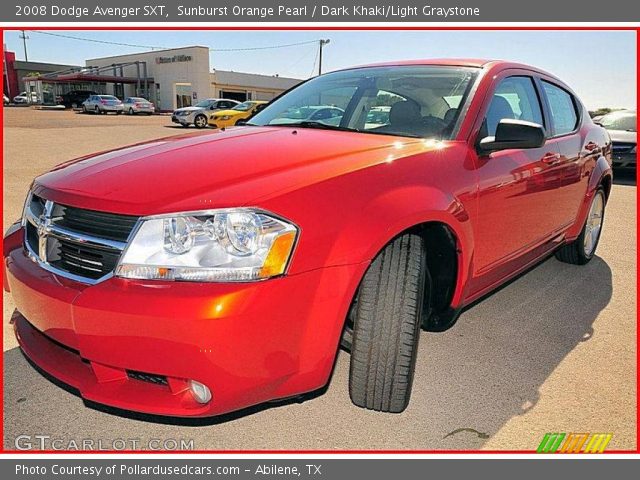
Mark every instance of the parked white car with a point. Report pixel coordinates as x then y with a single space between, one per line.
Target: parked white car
134 105
24 98
199 114
102 104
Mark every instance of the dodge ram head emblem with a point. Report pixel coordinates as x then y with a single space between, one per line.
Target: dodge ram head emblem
44 223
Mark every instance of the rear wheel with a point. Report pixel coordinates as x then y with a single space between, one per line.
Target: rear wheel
130 111
200 121
583 249
96 110
84 109
386 326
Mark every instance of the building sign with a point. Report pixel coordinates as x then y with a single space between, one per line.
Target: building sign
175 58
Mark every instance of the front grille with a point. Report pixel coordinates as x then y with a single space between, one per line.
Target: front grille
99 224
623 147
147 377
90 262
84 243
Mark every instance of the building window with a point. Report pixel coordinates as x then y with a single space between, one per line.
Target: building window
183 95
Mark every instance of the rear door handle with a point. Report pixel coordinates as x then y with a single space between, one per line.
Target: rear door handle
550 158
591 146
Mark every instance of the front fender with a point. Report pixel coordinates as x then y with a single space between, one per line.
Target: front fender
393 212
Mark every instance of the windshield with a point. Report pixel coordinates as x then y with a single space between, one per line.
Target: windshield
411 101
204 104
108 97
619 121
243 107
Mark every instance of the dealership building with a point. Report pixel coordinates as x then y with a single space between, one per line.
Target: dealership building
171 79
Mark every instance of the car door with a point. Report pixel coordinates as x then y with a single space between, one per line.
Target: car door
578 151
516 188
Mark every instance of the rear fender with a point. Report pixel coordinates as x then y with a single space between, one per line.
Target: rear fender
600 173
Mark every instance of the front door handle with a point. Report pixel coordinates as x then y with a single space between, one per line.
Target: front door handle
550 158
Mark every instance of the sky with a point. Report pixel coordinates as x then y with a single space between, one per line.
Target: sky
600 66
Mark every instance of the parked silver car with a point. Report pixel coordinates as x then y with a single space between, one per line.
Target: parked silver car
200 113
134 105
622 128
25 97
102 104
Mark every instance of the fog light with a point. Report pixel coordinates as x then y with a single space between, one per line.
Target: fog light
200 392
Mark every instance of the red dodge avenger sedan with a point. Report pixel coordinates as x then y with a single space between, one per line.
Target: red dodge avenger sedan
201 274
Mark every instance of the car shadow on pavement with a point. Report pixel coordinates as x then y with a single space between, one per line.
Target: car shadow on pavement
491 365
486 369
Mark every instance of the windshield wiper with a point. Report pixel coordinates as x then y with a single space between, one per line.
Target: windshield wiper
326 126
314 124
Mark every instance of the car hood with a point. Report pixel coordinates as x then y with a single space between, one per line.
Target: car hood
189 109
623 136
221 169
231 113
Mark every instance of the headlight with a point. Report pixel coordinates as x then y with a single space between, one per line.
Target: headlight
210 246
225 117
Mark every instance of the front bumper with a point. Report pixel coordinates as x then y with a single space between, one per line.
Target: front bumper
624 160
182 120
248 342
222 123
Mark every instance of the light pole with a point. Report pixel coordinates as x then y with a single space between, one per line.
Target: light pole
24 38
322 44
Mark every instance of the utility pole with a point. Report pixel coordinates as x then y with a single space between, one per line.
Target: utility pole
322 44
24 38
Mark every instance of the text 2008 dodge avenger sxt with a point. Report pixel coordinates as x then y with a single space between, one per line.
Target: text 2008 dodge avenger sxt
205 273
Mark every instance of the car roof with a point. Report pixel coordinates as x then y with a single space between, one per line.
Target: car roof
456 62
495 65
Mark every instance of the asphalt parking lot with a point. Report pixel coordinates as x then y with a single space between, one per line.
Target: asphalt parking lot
555 351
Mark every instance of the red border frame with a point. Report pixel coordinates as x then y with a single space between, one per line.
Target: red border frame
333 28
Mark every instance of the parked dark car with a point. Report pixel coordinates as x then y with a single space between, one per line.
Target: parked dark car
622 127
75 98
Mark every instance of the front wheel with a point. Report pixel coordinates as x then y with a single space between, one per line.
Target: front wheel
583 249
386 326
130 111
200 121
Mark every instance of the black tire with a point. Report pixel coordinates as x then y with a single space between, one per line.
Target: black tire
386 326
574 252
96 110
131 112
200 118
118 112
84 109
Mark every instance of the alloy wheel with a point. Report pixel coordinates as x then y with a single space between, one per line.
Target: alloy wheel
594 224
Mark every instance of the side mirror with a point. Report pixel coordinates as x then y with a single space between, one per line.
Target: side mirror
514 134
242 122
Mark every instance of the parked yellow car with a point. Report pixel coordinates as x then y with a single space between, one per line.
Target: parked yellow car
229 118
